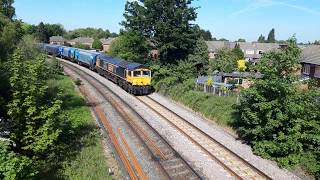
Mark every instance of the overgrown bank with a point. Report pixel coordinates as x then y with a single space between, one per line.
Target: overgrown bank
82 154
219 109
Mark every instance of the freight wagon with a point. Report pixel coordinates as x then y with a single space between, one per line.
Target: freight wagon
87 58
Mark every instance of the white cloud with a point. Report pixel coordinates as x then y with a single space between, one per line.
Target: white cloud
259 4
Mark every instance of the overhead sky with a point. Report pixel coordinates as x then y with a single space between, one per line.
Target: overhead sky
230 19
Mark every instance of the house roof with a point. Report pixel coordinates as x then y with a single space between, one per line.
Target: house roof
83 40
311 54
57 39
214 46
108 41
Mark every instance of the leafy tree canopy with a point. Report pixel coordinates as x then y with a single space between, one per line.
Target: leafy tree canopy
97 44
131 46
271 36
241 40
206 35
261 39
89 32
7 9
279 120
166 23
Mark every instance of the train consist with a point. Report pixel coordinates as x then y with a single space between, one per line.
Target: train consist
132 77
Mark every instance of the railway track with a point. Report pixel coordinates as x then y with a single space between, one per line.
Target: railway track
172 164
238 167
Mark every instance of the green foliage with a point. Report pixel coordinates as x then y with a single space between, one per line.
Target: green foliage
14 166
226 61
10 33
33 116
7 9
271 36
166 24
206 35
78 152
237 51
280 121
200 56
131 46
97 44
241 40
261 39
82 46
89 32
42 33
165 76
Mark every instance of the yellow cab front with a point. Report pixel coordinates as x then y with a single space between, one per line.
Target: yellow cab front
139 77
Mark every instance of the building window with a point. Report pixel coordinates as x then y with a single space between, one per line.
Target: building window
317 72
249 51
306 69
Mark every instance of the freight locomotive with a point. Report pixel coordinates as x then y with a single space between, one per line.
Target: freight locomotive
133 77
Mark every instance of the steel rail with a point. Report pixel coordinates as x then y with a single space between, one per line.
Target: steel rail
102 117
73 66
204 134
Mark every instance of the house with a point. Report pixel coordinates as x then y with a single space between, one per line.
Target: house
215 46
310 61
59 40
106 43
253 51
82 40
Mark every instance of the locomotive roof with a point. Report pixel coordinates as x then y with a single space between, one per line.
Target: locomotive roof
122 63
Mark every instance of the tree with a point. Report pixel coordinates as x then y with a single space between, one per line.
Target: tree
97 44
237 51
131 46
166 23
226 61
7 9
241 40
223 39
10 33
42 33
316 42
261 39
280 121
200 56
88 32
55 29
271 37
206 35
13 165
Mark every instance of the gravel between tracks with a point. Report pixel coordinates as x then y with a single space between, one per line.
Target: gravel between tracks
268 167
150 167
208 169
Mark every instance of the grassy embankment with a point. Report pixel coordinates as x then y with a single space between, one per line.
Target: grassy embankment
82 151
213 107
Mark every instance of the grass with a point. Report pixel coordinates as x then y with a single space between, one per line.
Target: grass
217 108
81 152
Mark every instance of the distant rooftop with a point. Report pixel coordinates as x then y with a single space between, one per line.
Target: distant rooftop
311 54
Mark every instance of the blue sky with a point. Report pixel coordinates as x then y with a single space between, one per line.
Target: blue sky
231 19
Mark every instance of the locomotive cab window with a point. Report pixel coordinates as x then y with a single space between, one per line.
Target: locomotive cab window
129 73
137 73
146 73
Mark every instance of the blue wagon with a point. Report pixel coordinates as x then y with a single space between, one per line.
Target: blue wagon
87 58
52 49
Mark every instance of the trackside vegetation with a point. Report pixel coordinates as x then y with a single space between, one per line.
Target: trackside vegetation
46 130
277 115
